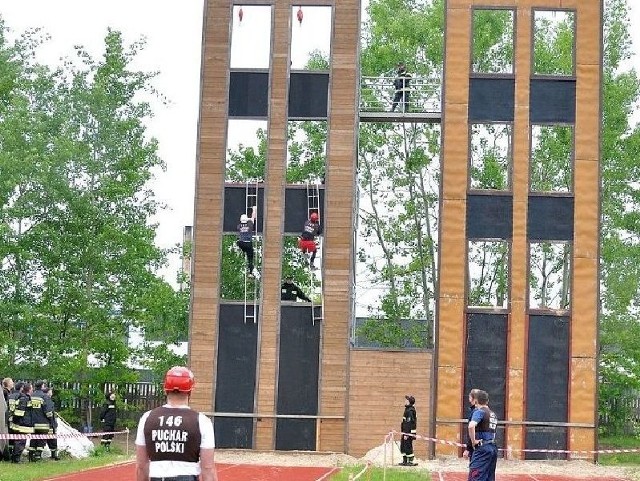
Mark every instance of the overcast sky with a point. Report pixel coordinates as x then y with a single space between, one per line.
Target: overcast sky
174 34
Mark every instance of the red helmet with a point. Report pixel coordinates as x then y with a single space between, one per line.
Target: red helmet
179 379
314 217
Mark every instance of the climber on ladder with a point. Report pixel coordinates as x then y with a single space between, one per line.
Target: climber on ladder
307 240
246 229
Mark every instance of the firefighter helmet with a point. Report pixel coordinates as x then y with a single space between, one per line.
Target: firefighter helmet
244 219
179 379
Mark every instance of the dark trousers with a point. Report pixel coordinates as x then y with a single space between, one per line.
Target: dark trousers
401 97
106 438
19 446
247 248
483 463
406 447
53 446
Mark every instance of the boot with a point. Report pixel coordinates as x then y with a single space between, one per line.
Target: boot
404 461
54 456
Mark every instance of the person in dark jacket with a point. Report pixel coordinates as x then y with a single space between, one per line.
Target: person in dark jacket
246 229
408 428
21 421
108 418
401 85
42 417
289 291
12 401
53 442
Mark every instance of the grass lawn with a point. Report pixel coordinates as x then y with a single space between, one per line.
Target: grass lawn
47 468
375 474
619 442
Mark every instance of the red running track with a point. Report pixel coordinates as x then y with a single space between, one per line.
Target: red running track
248 472
226 472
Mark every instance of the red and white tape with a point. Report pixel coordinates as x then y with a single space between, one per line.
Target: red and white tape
59 436
512 450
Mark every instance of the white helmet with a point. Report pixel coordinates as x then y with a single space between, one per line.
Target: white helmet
244 218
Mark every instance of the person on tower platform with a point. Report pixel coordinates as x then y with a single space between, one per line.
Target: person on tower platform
307 240
401 85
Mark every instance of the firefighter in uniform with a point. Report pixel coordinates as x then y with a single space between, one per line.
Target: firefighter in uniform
42 417
21 422
307 240
289 291
108 418
401 85
12 402
468 450
52 442
174 442
408 426
482 431
246 228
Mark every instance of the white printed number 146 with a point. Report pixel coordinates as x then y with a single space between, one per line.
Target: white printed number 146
171 421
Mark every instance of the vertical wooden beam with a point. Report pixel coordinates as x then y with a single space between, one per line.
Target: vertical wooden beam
452 236
209 199
517 348
583 404
273 222
342 148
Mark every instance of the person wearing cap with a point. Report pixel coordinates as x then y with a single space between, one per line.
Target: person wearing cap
108 415
246 228
307 240
482 431
408 430
175 442
401 85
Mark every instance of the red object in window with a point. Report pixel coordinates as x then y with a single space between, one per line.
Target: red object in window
300 15
240 14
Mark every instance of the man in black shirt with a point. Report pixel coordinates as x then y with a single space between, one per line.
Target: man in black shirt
291 292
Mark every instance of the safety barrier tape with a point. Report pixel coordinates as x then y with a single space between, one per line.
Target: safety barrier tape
513 450
59 436
357 476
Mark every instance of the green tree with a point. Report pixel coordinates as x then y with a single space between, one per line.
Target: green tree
620 271
77 245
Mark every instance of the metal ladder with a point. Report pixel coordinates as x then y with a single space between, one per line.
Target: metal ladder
251 200
313 205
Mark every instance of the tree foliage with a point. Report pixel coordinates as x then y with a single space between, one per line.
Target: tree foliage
78 256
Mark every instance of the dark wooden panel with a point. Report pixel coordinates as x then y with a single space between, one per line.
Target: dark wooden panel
550 218
489 216
553 100
308 95
548 369
491 99
248 94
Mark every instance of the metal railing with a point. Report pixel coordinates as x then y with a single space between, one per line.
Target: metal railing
377 94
